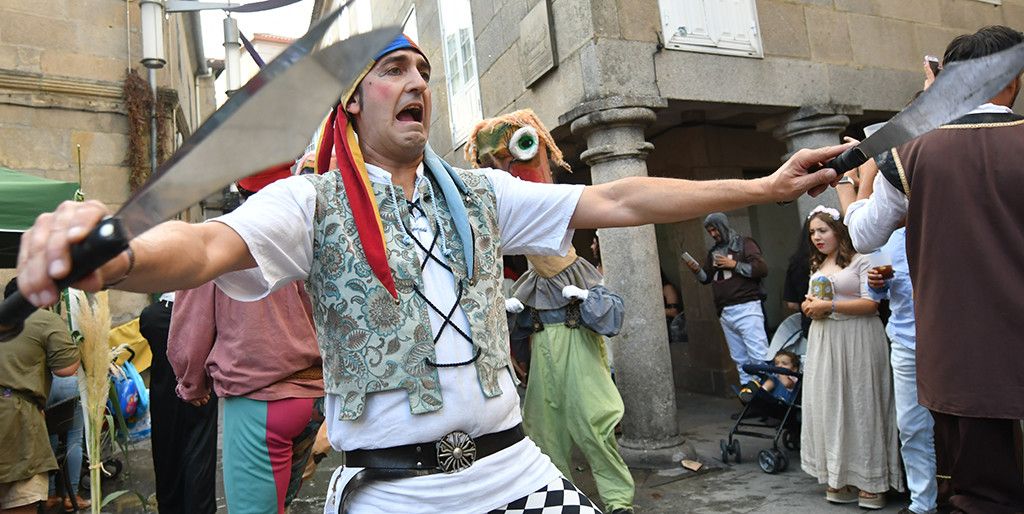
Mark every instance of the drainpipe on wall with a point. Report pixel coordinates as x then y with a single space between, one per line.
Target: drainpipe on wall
199 56
152 14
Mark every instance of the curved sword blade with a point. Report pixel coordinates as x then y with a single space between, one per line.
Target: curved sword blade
961 87
265 5
266 123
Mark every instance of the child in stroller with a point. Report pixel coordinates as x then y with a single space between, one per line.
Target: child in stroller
770 402
781 386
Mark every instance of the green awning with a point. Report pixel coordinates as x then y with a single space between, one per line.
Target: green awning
24 197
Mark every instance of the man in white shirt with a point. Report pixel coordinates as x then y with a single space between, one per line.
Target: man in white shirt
280 234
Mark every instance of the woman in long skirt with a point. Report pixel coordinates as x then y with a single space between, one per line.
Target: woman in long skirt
849 439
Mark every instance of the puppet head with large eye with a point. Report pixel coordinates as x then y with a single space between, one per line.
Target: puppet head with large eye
516 142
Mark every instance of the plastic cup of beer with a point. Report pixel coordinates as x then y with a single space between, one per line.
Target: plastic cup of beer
881 263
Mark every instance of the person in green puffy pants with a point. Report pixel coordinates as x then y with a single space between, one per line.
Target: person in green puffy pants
571 399
560 303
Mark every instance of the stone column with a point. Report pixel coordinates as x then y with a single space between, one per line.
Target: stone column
616 149
813 127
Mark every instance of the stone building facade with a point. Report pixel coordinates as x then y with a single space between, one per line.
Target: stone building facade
63 65
696 89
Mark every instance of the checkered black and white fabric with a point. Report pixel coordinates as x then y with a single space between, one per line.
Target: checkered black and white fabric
558 497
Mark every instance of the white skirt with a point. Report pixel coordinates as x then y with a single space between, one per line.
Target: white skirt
849 434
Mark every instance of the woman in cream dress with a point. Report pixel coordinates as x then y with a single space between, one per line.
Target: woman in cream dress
849 439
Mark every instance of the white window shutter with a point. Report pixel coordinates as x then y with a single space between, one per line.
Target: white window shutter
685 22
712 26
736 24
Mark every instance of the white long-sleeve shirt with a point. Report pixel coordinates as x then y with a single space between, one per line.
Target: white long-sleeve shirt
871 221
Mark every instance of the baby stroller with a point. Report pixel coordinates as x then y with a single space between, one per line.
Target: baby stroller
766 411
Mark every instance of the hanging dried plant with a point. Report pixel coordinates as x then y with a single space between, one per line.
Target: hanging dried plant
93 316
138 99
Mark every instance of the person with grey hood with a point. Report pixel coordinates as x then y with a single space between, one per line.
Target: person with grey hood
734 267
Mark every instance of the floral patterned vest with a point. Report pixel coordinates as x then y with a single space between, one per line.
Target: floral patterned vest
369 341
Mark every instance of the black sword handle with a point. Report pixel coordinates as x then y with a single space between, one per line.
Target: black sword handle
846 161
106 241
842 163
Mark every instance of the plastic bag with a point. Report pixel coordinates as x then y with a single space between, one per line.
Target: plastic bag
141 430
132 394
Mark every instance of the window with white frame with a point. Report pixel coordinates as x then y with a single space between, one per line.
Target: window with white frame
726 27
460 67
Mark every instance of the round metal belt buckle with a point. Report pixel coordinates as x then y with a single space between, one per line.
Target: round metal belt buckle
456 451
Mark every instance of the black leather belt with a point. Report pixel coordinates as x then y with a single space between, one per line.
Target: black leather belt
452 453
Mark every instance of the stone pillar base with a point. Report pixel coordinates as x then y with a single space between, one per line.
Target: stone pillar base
661 454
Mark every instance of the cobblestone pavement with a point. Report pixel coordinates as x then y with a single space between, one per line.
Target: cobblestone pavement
718 488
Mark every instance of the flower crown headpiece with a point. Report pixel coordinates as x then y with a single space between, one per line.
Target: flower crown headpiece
833 213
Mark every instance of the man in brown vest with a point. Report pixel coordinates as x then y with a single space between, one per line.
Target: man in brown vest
959 188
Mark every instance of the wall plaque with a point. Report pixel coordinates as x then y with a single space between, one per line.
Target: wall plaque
537 43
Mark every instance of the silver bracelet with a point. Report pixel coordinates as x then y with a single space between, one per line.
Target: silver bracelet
131 266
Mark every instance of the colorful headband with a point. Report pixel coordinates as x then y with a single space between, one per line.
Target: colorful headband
401 42
833 213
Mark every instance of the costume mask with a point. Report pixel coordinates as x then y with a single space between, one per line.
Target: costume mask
516 142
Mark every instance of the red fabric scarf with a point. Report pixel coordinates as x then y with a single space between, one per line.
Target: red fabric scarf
339 136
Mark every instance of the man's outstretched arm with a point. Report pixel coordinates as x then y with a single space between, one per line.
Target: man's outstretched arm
173 255
636 201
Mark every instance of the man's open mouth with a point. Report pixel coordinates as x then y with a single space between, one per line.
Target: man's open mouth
411 113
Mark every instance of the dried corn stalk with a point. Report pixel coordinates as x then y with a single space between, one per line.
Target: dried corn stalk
93 317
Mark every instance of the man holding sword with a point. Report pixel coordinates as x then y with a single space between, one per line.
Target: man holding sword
402 258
